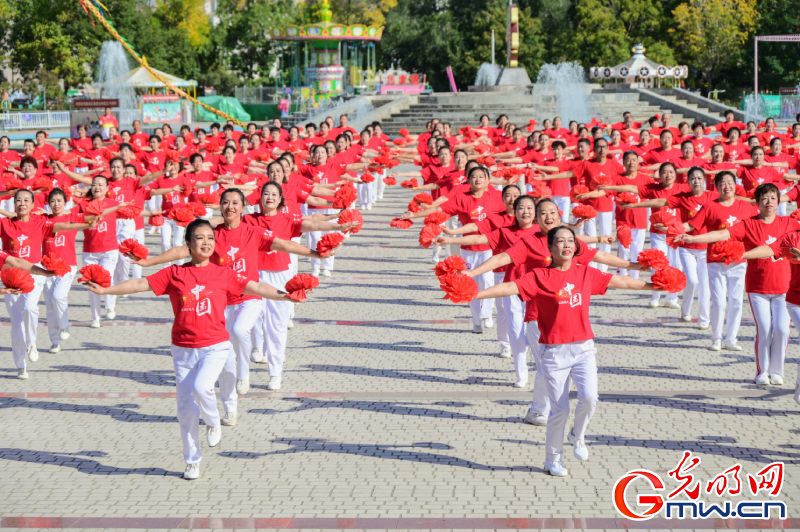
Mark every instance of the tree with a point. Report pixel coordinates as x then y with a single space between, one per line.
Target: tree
187 15
711 33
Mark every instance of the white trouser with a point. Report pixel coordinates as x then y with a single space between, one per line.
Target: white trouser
782 206
510 316
541 401
563 203
380 186
598 226
293 269
125 229
272 329
107 260
136 270
563 364
23 313
794 313
364 196
632 253
56 293
196 371
172 236
240 320
313 238
481 308
452 249
772 332
726 282
660 242
696 271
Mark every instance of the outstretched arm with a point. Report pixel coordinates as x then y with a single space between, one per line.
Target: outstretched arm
497 261
708 238
499 290
628 283
132 286
266 291
171 255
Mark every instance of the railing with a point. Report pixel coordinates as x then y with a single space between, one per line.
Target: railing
258 94
42 120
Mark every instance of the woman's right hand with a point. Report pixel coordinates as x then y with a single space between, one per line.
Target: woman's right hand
94 288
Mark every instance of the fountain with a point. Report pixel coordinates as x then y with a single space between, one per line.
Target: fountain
487 74
563 83
112 74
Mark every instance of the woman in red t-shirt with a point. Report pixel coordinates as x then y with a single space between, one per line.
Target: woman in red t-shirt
199 292
563 292
275 269
766 281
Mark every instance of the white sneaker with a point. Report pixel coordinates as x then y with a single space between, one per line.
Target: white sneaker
703 326
315 272
33 353
579 449
435 259
213 435
716 345
243 386
111 314
777 380
192 471
95 324
369 207
505 353
230 419
274 383
687 318
477 329
54 349
556 468
521 384
732 346
152 231
290 325
796 391
22 374
673 304
257 355
326 273
654 303
762 380
488 323
65 334
535 418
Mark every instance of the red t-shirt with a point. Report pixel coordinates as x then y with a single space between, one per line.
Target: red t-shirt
24 239
587 170
140 195
199 297
559 187
656 191
283 226
714 216
192 178
503 238
326 174
152 161
633 218
710 185
660 155
63 243
433 174
564 298
103 236
470 209
688 206
770 275
752 177
702 145
735 151
793 294
171 200
724 127
122 190
140 139
681 163
238 249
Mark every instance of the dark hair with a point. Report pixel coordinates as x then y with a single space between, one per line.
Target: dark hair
233 191
135 171
685 142
585 141
729 112
116 159
96 136
772 142
125 145
193 227
630 153
694 169
522 197
215 125
736 129
23 190
766 188
57 192
311 125
276 185
443 147
28 160
506 188
664 165
665 131
558 144
542 202
102 177
229 148
755 148
720 176
195 156
479 168
472 163
698 124
551 234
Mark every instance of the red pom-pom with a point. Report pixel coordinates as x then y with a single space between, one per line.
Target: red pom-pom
345 196
96 274
542 192
16 278
156 221
198 209
789 241
587 212
42 184
131 245
172 156
576 190
661 216
675 228
401 224
669 279
428 233
367 178
403 132
182 215
213 146
624 236
390 181
740 191
727 251
14 184
56 264
453 263
349 216
410 183
437 218
296 286
210 198
598 180
188 188
653 259
129 212
56 155
93 208
413 206
795 214
458 288
487 161
107 154
482 148
423 198
329 242
627 197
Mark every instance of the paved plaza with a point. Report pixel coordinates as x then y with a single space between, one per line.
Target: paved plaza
392 415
